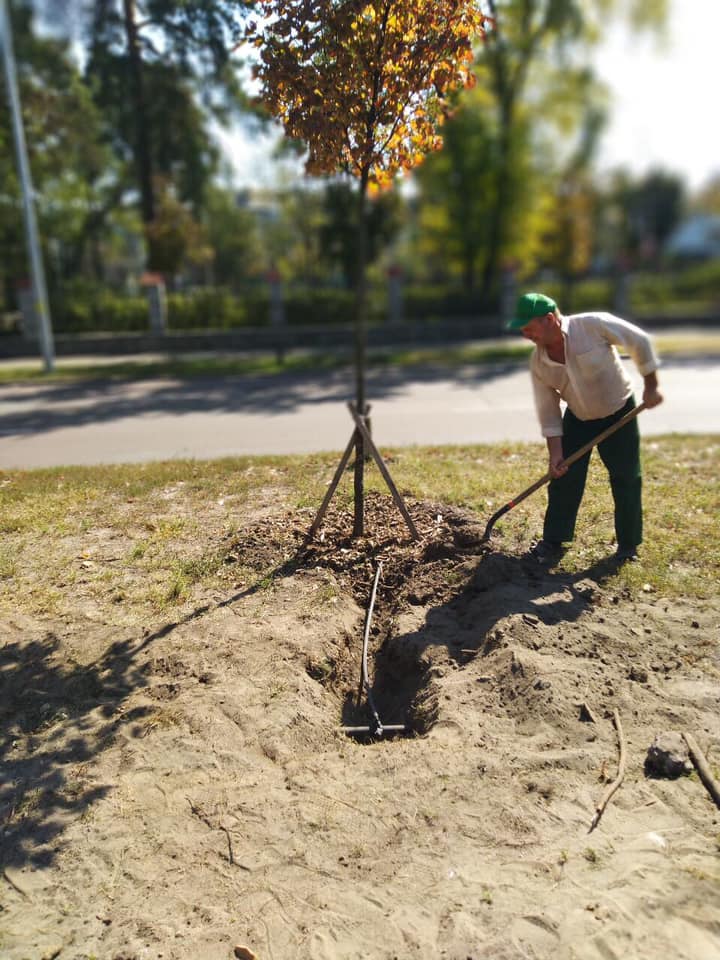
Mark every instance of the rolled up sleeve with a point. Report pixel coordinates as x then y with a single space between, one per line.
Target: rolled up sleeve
547 405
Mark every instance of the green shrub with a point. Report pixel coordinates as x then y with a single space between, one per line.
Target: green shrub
436 302
693 289
307 307
210 308
583 296
83 307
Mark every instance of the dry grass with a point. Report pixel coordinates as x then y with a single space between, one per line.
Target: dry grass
131 541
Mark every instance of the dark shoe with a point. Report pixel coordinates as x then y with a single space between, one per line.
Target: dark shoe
547 552
626 554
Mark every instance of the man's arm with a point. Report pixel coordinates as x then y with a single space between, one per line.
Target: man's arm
651 394
556 466
639 345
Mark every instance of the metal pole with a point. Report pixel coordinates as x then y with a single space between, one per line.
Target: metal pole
37 271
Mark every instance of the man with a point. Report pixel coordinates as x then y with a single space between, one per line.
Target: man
575 359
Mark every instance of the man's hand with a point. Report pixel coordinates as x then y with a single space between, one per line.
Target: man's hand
651 394
556 464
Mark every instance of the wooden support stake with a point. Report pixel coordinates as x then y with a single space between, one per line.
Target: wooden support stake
399 502
331 489
618 780
361 440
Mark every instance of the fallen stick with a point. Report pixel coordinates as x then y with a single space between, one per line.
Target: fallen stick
15 886
600 808
701 765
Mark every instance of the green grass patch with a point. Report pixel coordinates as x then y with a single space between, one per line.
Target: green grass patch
262 364
477 352
133 539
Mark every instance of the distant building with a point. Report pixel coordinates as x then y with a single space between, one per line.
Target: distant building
697 238
263 204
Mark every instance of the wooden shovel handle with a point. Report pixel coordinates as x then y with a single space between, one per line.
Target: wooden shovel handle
630 415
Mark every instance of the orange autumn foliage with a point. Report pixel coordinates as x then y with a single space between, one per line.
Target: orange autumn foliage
364 83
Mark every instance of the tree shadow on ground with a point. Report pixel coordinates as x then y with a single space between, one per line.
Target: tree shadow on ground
55 715
47 407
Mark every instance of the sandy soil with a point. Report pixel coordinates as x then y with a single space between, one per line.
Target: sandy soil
181 791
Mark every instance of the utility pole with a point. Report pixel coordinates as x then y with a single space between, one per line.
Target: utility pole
37 271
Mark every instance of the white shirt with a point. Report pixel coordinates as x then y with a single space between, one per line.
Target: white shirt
592 381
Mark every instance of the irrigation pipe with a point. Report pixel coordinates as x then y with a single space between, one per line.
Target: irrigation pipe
378 729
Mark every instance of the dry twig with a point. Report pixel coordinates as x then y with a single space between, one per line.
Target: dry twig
618 780
702 767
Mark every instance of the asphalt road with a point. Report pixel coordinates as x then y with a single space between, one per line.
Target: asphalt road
106 421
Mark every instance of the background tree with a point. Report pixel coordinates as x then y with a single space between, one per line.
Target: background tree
364 85
177 239
74 174
526 32
707 198
568 234
175 61
457 186
554 140
651 208
340 229
234 235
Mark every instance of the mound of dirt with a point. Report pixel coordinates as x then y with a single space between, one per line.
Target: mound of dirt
188 790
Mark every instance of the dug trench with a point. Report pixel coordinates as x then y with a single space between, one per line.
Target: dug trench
402 673
457 622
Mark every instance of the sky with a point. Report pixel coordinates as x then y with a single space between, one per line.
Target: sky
663 95
662 102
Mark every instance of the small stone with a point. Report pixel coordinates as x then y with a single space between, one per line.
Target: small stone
586 714
638 674
244 953
668 756
695 625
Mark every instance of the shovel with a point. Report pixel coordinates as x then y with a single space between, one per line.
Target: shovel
570 460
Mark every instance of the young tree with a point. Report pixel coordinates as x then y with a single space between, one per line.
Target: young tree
364 84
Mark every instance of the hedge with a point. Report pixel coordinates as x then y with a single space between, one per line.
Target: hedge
83 308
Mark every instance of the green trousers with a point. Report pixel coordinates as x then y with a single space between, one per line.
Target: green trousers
621 455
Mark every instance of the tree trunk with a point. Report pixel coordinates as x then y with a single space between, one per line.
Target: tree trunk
498 213
468 268
143 158
360 359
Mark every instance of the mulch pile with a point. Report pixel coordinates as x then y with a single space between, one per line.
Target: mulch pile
277 544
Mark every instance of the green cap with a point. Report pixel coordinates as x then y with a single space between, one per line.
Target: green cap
529 306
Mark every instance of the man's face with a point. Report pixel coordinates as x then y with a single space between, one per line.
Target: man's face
541 330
